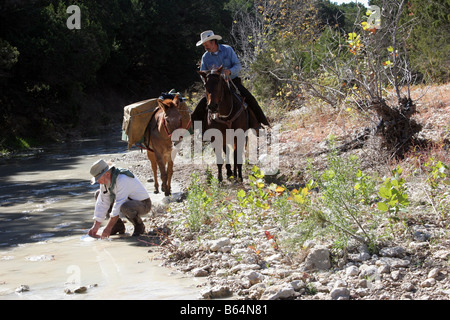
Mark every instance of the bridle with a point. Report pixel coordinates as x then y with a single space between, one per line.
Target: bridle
169 134
216 116
167 129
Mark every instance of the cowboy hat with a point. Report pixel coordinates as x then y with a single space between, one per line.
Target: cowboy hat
208 36
98 169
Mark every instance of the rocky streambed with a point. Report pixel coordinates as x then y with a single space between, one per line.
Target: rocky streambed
242 252
248 262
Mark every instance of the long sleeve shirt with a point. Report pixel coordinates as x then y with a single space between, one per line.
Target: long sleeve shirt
126 188
225 57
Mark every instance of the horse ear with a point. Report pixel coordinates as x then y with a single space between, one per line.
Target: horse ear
161 104
202 75
176 100
219 71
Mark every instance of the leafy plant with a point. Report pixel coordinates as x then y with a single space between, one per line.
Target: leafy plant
438 174
393 193
283 207
197 204
256 197
438 180
343 190
302 197
232 217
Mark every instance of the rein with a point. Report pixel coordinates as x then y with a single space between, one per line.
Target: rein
229 122
217 117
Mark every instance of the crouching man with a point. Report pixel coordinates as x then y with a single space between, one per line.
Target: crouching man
121 195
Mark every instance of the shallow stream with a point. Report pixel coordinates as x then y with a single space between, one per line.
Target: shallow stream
46 209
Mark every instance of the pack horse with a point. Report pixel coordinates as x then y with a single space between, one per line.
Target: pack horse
158 141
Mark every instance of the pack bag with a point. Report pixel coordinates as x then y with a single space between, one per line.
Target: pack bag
136 117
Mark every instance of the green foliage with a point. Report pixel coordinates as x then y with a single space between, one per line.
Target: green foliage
439 182
344 194
294 40
198 205
340 202
53 78
438 173
429 40
8 57
393 193
233 217
283 206
338 55
257 196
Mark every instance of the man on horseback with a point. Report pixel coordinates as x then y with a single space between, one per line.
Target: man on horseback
218 55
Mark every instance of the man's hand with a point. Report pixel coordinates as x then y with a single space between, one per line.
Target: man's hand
227 72
106 233
93 231
111 223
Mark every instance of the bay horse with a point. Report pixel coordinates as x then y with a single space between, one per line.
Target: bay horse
157 139
227 114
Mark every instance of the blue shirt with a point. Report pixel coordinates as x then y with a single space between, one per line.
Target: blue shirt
225 57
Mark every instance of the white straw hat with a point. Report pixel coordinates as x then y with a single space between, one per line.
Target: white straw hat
208 36
98 169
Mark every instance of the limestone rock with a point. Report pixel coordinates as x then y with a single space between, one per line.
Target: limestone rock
318 259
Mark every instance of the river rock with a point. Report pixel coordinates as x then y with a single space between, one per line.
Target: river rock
421 236
254 277
23 288
395 252
199 272
418 246
78 290
216 292
434 273
407 286
359 257
276 292
368 271
318 259
340 293
428 283
352 271
383 269
297 284
395 275
216 245
245 267
393 262
442 254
